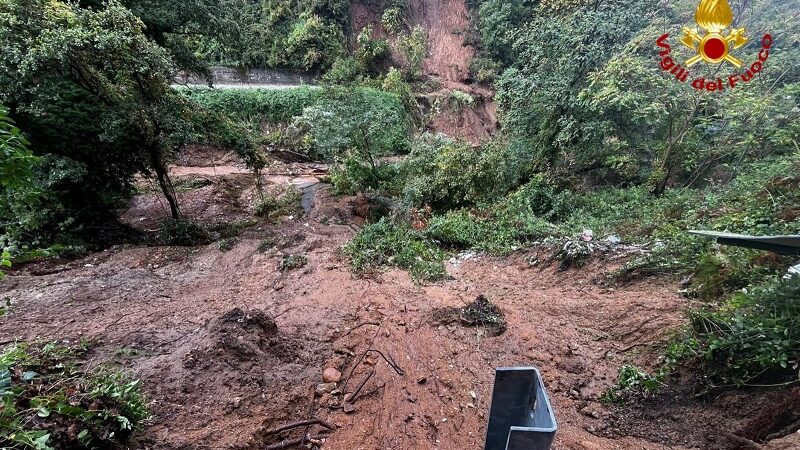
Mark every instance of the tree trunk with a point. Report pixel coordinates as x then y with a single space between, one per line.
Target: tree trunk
164 181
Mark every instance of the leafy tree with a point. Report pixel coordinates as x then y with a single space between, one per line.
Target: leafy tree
365 121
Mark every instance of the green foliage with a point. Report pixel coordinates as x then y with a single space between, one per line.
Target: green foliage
293 34
632 380
393 19
461 100
344 71
392 243
370 122
257 106
752 337
182 232
448 174
414 47
292 262
51 404
352 175
227 244
371 53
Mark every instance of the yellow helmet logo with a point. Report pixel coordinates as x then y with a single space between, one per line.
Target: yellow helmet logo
715 16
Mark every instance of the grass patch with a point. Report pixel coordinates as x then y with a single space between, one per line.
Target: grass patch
50 402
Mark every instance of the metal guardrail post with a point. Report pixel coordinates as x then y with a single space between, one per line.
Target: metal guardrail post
520 417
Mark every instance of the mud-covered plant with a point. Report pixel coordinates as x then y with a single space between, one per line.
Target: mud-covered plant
460 100
275 207
51 403
574 253
292 262
484 313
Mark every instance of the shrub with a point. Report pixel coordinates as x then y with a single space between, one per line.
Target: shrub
353 175
752 337
413 46
393 19
460 100
256 105
369 122
448 174
389 242
51 403
371 53
182 232
227 244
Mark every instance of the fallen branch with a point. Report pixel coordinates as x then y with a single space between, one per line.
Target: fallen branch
350 398
300 423
286 444
389 361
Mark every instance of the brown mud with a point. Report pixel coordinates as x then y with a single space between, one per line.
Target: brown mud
228 346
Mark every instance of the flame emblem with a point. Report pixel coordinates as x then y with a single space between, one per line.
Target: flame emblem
715 16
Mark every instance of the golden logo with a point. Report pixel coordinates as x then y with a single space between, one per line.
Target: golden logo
714 47
715 16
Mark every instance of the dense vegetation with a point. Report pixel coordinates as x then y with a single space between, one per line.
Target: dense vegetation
594 136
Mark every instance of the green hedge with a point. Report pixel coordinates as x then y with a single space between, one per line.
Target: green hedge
267 105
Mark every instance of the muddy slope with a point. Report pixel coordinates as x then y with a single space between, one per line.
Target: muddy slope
231 344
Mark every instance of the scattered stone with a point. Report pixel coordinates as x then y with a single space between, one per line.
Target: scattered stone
331 375
236 402
473 394
349 408
422 380
324 388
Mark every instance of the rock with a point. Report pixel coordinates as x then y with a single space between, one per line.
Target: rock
324 388
422 380
349 408
236 402
473 394
331 375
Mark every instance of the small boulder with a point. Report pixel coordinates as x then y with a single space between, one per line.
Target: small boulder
331 375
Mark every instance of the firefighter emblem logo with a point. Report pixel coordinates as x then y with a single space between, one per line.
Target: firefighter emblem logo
714 16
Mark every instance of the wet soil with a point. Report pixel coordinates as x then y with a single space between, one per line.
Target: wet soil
228 346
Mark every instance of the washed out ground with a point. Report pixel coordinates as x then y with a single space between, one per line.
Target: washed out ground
229 346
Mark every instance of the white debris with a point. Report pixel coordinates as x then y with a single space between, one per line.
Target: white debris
794 270
587 235
613 239
461 257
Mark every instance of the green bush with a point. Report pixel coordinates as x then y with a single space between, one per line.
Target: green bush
49 402
752 338
447 174
183 232
388 242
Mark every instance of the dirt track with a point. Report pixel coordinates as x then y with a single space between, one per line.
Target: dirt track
219 377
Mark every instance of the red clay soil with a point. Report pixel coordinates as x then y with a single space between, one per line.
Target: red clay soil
229 346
